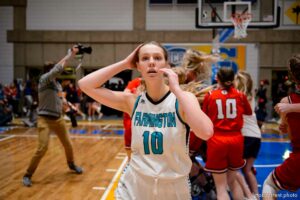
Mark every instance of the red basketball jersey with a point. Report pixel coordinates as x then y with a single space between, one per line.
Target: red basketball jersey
226 108
293 120
132 86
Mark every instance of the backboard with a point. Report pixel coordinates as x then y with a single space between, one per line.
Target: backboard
217 13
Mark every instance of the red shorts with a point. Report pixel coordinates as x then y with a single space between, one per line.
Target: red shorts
225 152
127 130
287 176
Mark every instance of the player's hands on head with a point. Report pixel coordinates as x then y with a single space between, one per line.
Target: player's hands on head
132 58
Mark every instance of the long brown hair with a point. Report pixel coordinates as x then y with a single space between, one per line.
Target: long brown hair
198 62
180 71
294 68
225 77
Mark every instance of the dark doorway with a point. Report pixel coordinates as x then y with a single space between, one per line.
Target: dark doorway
33 74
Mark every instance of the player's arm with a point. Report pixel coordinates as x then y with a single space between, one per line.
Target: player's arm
283 126
189 108
92 85
201 94
191 111
285 108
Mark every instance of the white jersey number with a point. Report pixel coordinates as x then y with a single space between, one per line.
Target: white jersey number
230 109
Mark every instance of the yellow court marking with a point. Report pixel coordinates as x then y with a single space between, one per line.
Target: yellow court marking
109 192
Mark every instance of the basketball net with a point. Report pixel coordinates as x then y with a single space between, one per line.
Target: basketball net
241 22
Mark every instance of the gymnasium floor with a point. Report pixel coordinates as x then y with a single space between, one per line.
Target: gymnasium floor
98 147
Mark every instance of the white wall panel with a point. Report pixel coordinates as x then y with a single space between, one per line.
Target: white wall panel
170 17
6 49
80 15
252 62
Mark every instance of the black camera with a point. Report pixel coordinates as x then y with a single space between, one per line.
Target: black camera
83 49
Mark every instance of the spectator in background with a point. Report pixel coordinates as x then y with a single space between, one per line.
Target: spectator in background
261 96
31 121
17 103
93 107
5 113
73 97
10 92
2 95
5 109
68 108
28 99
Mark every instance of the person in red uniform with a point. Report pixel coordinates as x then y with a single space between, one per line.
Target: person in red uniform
225 106
132 87
287 176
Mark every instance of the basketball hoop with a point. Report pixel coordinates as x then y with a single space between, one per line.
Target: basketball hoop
241 22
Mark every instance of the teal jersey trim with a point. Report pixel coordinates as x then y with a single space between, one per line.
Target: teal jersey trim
178 114
135 105
181 120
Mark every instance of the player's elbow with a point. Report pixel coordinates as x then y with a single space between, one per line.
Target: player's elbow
209 133
82 85
206 132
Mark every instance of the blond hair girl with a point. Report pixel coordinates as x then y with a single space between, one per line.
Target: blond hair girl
250 131
198 65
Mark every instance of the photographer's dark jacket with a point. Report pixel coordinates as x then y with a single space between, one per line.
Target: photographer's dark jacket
50 93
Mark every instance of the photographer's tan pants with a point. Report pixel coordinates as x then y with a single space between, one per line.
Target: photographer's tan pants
45 127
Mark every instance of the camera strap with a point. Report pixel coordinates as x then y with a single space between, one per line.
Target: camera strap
79 65
79 58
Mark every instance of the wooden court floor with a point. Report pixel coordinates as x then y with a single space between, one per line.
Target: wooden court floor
99 152
98 148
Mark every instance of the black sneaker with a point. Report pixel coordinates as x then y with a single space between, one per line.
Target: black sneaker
27 181
75 168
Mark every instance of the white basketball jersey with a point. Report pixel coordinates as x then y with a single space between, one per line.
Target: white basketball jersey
250 127
159 138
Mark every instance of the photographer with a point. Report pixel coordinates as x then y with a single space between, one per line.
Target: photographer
50 97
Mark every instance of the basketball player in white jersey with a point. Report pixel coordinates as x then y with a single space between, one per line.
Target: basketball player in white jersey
161 117
250 131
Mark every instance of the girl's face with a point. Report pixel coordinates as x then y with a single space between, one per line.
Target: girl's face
151 59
